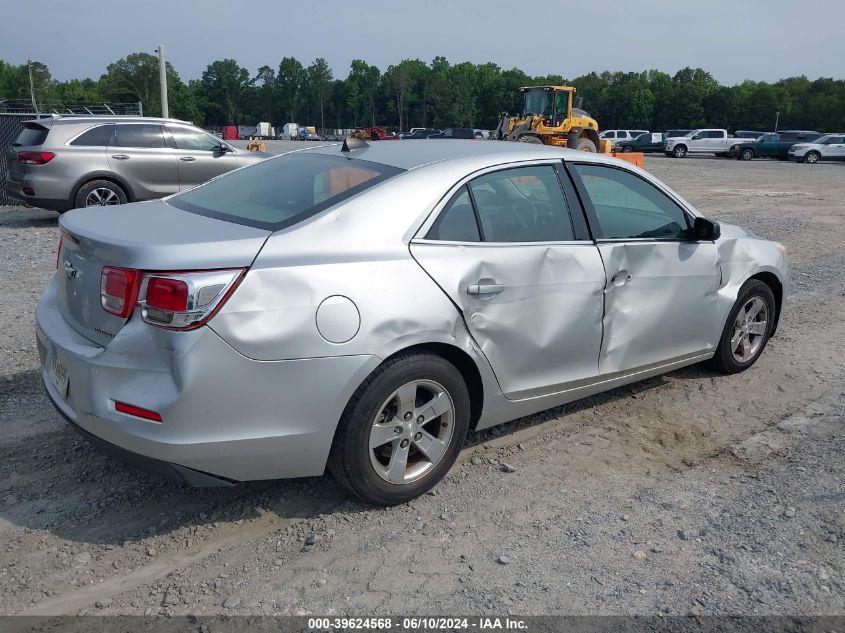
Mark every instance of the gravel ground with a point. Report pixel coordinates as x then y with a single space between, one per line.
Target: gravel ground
687 493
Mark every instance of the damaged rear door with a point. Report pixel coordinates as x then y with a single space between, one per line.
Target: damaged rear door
660 298
523 272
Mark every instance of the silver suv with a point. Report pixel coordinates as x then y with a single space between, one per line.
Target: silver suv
68 162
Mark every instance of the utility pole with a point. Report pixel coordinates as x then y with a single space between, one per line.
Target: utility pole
32 86
777 120
162 78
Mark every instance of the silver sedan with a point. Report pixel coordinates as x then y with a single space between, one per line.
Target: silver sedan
362 308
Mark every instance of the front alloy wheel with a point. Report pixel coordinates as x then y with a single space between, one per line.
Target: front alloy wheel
750 327
747 330
812 157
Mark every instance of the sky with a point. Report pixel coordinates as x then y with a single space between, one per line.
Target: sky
734 40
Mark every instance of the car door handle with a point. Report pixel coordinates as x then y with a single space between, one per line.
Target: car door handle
120 156
484 289
187 159
620 278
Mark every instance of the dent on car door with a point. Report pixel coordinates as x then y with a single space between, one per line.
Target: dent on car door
661 286
199 156
505 251
139 155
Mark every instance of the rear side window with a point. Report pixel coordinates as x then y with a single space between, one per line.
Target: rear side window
139 135
99 136
457 222
283 191
629 207
32 135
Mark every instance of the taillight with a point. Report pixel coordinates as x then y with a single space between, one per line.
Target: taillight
119 290
177 300
35 158
186 300
138 412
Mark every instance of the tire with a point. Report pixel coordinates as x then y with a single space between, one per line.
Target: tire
746 154
728 358
627 149
366 472
583 145
679 151
812 157
106 191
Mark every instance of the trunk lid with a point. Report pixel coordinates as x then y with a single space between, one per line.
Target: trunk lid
148 236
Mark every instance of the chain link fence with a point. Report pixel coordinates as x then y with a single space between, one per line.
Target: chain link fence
10 126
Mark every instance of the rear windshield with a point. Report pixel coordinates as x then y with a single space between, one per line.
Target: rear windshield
32 134
280 192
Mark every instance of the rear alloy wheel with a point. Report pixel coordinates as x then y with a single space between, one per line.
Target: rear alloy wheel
680 151
812 157
747 330
402 429
747 154
99 193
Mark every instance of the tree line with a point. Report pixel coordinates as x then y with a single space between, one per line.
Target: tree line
439 94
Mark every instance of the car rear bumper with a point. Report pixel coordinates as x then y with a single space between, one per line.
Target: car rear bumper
14 190
224 416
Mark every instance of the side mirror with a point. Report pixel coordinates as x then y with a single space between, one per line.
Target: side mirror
221 149
696 137
705 230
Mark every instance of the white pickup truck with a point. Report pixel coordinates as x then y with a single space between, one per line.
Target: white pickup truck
701 142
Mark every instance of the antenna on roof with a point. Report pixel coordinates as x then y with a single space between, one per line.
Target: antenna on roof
353 143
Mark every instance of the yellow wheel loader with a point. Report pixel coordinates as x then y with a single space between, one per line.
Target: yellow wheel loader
549 116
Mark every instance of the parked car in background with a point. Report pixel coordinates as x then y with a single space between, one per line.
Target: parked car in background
747 134
621 135
827 147
62 163
646 143
771 145
456 132
419 133
705 141
279 275
307 135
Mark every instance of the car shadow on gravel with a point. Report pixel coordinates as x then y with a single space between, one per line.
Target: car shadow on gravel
55 481
24 218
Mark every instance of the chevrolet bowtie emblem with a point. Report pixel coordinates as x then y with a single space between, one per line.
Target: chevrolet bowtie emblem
70 271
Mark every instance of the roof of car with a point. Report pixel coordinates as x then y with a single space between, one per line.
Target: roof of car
413 154
69 120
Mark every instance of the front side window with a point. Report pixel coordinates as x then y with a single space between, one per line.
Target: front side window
100 136
280 192
523 204
628 207
138 135
187 139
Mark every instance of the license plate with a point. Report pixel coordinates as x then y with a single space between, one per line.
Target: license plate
57 373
